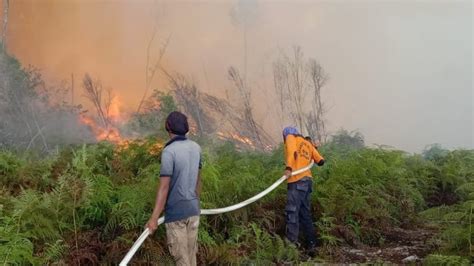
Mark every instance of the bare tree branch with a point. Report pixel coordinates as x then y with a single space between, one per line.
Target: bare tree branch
245 95
188 97
151 70
93 92
298 83
34 138
291 85
316 120
40 132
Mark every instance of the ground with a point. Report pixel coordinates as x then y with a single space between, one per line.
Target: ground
401 246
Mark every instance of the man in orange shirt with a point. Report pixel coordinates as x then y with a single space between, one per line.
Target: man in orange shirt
299 153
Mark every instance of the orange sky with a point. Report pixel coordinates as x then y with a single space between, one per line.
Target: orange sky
65 37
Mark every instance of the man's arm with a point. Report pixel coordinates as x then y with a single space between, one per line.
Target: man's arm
161 196
318 159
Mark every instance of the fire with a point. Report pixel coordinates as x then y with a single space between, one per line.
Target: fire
106 131
235 137
106 128
101 133
114 112
242 139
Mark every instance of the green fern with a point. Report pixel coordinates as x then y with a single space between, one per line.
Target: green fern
54 252
34 216
15 247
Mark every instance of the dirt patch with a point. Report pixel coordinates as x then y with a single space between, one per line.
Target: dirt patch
401 246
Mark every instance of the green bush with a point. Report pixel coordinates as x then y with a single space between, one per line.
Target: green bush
444 260
367 191
456 220
102 195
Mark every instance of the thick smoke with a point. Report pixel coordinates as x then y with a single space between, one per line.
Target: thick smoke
400 72
33 115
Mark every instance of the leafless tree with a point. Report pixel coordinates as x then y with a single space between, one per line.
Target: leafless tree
299 90
6 7
93 92
188 97
245 96
214 116
152 67
153 62
282 85
315 121
290 80
24 107
298 83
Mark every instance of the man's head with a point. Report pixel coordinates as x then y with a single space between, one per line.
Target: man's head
289 131
177 124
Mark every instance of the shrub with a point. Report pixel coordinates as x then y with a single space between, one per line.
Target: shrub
444 260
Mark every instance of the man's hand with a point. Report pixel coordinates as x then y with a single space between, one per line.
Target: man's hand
152 224
288 173
160 202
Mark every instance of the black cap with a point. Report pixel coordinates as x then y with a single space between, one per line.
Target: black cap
177 123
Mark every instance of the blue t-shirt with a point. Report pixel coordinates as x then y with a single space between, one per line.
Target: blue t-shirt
181 161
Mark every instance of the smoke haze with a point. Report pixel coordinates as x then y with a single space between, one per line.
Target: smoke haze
400 71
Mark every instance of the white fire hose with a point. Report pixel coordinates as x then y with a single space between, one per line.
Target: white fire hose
260 195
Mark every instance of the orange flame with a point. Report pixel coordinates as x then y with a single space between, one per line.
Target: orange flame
235 137
111 134
114 112
108 132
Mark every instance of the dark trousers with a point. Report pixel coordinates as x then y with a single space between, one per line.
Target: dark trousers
298 211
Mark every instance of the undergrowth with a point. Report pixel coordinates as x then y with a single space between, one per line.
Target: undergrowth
87 204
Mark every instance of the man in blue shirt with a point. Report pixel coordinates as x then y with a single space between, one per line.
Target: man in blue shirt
178 191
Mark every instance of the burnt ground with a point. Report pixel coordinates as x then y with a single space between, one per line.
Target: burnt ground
401 246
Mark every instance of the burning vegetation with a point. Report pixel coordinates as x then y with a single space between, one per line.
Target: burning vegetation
210 117
107 107
32 125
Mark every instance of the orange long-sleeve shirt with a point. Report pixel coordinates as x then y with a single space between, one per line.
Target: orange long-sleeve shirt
298 154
